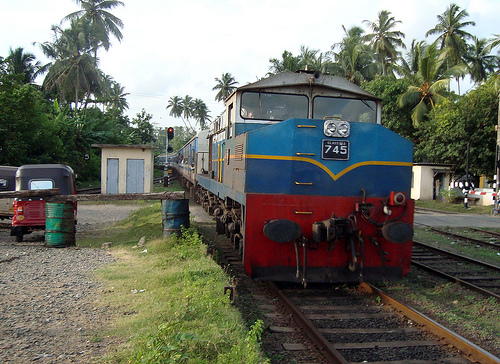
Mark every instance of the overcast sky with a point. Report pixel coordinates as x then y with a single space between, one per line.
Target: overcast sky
176 48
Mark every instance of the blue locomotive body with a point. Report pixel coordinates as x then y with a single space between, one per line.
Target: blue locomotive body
307 183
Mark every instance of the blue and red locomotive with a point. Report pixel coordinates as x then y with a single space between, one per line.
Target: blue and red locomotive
308 185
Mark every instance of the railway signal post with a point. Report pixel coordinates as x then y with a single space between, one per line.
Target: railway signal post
168 149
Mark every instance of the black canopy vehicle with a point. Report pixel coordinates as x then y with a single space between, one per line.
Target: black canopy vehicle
29 212
7 183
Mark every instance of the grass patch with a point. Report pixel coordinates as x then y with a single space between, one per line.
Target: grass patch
168 298
470 314
453 207
480 252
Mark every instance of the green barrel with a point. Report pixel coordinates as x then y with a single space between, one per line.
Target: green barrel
174 214
59 224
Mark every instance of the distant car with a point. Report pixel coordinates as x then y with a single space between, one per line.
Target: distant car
29 212
7 183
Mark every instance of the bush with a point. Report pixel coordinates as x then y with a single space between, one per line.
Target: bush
449 195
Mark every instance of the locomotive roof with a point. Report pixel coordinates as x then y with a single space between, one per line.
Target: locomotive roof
290 79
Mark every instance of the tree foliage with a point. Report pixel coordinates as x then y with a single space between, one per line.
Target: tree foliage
394 117
225 86
451 35
353 59
186 108
79 105
60 122
385 40
430 84
453 125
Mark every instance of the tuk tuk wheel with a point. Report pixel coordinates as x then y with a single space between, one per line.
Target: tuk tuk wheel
19 238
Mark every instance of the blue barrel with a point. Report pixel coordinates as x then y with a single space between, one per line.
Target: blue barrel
59 224
174 214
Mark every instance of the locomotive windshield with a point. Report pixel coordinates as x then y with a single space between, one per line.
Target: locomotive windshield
347 109
271 106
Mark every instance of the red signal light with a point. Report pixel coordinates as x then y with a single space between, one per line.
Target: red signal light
170 133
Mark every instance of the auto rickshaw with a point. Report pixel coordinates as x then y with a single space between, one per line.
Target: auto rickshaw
7 183
29 212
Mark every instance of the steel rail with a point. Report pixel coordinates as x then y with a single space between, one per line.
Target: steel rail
458 256
492 233
467 347
461 237
456 279
326 348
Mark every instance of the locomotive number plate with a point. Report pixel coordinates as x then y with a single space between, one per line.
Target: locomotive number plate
335 149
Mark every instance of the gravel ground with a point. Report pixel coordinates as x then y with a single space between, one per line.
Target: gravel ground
47 311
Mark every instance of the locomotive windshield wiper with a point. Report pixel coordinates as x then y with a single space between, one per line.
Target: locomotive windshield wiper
366 103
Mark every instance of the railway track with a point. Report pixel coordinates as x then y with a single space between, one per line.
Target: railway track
367 326
471 273
472 235
97 190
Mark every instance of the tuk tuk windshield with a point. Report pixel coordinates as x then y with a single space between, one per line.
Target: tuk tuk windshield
41 184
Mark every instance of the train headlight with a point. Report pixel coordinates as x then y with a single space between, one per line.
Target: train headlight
329 128
336 128
343 129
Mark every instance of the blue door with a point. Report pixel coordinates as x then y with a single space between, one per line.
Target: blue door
112 174
135 175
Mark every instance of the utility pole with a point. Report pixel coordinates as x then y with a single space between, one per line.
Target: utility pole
497 154
467 183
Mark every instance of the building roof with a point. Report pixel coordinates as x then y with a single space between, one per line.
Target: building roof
131 146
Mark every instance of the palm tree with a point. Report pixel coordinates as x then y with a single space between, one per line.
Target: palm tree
354 59
175 106
451 35
287 63
384 40
102 22
74 74
495 42
200 113
181 108
480 62
430 85
20 62
226 85
187 107
410 64
115 97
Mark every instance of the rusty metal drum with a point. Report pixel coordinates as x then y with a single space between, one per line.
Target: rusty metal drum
59 224
175 213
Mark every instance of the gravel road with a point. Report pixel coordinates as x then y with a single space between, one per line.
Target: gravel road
47 296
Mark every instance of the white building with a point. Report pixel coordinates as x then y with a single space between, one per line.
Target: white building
126 168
